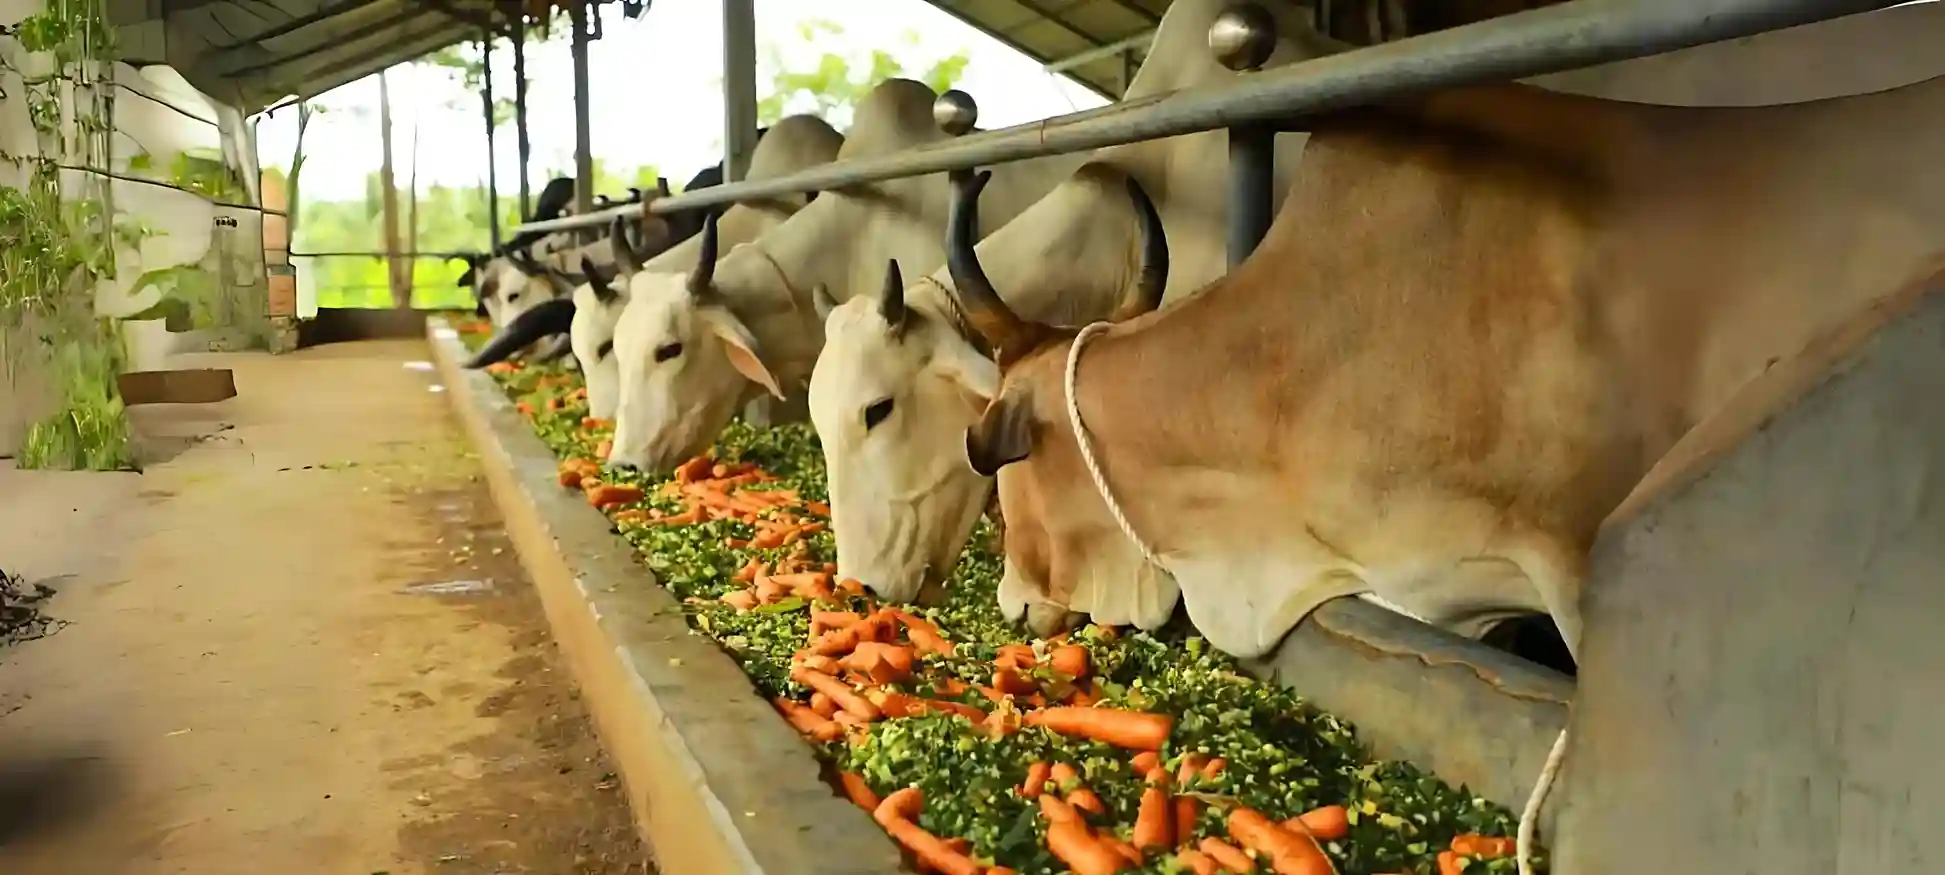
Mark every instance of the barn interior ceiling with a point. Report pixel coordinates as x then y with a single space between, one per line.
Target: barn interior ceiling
253 53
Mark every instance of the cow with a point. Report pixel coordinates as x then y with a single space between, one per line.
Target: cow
589 315
499 279
692 347
1480 317
891 401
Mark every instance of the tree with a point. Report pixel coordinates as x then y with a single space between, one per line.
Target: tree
837 82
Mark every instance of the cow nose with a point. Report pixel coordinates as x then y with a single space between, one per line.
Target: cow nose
624 466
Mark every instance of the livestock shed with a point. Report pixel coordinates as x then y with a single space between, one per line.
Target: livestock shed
1748 614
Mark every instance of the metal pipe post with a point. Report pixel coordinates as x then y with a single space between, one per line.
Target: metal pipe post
1566 36
739 87
524 145
1252 187
583 153
492 172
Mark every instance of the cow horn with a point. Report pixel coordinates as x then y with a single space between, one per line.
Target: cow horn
988 314
599 281
625 256
524 261
820 298
891 301
1151 279
703 278
554 316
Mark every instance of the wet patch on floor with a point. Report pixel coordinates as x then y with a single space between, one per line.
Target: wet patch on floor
536 796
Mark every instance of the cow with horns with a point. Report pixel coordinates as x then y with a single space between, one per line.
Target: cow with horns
1480 318
693 347
589 314
899 380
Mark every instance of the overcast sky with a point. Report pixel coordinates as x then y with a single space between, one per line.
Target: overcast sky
655 94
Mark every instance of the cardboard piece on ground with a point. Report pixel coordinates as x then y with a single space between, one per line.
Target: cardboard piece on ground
199 386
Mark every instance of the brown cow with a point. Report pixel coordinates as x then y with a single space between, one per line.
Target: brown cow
1479 319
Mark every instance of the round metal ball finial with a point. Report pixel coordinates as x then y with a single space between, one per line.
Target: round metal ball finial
1243 37
955 112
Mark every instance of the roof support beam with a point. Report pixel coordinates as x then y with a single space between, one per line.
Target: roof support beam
442 29
292 26
483 22
383 26
577 14
1118 47
1048 16
739 87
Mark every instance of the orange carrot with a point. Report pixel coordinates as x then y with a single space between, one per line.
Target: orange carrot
1001 870
604 449
1290 853
1199 863
1082 699
769 591
1227 856
859 791
846 698
1127 851
923 634
1088 801
1187 812
823 705
613 494
930 850
1213 768
1448 864
1037 776
819 664
818 507
593 422
1009 682
1191 767
807 721
1135 730
901 804
1070 660
1065 775
1057 811
883 663
748 573
1015 656
1482 846
1152 826
741 600
835 642
1331 823
571 476
1146 761
693 470
803 579
1074 844
824 621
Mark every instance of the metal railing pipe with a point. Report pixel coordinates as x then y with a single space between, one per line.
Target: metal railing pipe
1567 36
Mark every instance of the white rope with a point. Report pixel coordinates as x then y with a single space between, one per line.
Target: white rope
1529 818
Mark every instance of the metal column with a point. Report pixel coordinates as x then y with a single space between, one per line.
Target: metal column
492 172
583 155
520 107
739 87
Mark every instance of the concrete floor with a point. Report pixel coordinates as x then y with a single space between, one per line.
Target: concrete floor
246 686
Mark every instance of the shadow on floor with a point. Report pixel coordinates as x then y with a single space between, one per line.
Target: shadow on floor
41 793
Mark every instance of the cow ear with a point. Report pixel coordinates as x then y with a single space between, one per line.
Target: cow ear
820 297
1002 436
741 347
976 376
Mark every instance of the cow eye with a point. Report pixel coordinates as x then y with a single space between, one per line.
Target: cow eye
876 413
512 297
667 351
604 350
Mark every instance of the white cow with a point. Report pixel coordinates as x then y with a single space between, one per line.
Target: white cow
892 401
792 144
693 347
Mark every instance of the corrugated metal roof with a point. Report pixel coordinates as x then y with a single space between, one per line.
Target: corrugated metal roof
252 53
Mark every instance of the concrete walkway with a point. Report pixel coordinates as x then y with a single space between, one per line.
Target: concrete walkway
247 683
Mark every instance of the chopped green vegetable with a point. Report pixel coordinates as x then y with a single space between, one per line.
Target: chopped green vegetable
1284 756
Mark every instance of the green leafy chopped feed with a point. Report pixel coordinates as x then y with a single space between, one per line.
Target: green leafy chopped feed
1283 756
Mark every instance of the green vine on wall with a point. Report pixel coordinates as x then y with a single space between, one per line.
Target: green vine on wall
53 251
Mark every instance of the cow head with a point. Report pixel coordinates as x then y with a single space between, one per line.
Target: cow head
514 283
891 395
1065 555
686 362
598 304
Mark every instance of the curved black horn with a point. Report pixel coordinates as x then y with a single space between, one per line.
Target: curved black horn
987 313
625 256
891 301
703 278
553 316
1152 277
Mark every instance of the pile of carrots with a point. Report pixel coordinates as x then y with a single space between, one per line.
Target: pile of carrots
857 652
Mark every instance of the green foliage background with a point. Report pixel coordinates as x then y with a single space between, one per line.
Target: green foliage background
454 219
